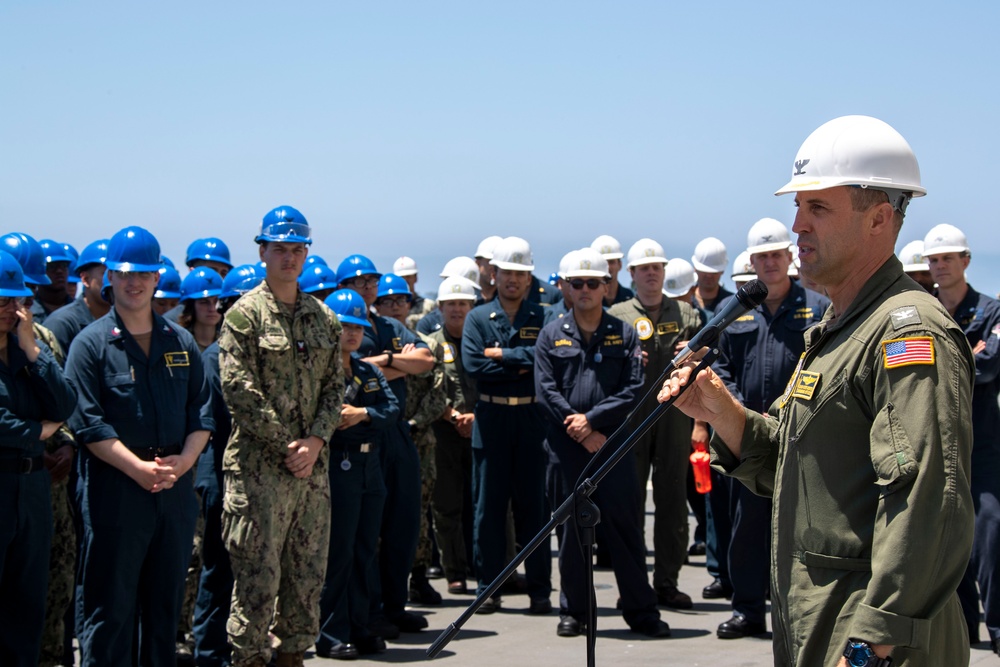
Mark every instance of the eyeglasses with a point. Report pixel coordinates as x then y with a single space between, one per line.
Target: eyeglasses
591 283
363 281
394 301
7 300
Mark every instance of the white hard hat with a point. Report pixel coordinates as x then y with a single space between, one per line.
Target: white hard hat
710 256
464 268
405 266
912 257
767 234
646 251
456 287
608 246
565 263
678 278
857 150
512 254
945 238
793 266
485 248
587 263
742 268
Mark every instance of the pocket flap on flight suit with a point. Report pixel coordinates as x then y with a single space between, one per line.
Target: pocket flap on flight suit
813 559
891 452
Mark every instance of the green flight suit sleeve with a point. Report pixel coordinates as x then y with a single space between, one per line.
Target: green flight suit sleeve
921 445
758 462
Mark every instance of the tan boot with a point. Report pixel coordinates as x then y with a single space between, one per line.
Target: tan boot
290 659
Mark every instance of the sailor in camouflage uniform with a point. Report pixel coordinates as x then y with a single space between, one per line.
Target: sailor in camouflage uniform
283 382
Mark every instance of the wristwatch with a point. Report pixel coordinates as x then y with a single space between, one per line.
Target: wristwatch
860 654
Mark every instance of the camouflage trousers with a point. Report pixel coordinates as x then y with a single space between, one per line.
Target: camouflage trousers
424 439
277 531
193 577
62 563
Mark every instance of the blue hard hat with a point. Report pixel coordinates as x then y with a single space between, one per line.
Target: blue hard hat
166 261
240 280
201 283
211 249
169 286
11 276
349 306
316 278
93 253
315 259
74 256
29 254
133 249
106 292
284 225
390 284
54 251
354 266
553 278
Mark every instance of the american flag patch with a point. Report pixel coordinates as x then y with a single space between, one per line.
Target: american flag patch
908 352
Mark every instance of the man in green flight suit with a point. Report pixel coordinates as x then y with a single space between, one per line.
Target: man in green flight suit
867 452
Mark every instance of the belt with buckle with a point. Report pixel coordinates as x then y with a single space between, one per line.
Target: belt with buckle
150 453
508 400
23 466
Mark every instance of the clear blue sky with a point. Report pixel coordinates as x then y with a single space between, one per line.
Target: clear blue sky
419 128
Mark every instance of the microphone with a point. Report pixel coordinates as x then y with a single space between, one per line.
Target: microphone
748 297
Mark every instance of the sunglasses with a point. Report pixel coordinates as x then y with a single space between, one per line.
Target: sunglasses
6 300
591 283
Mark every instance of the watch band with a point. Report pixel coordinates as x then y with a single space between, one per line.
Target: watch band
859 653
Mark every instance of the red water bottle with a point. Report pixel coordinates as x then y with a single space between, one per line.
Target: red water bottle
702 472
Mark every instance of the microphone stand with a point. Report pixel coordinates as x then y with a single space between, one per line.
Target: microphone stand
586 515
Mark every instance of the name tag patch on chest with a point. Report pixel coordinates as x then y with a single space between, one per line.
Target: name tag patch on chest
803 313
666 328
371 385
805 385
176 359
562 342
613 339
528 332
644 328
915 351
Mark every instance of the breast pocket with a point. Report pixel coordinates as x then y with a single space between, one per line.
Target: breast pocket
119 398
566 365
612 359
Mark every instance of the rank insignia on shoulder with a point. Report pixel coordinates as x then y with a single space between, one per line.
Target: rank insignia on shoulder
643 327
904 316
666 328
915 351
176 359
563 342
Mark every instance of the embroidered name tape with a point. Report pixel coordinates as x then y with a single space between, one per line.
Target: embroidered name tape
805 385
176 359
666 328
915 351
